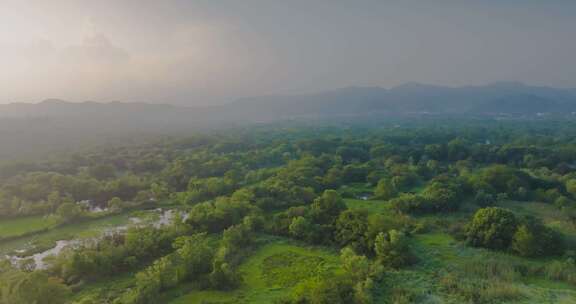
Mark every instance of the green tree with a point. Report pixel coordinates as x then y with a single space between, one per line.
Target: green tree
327 207
333 178
361 272
385 189
223 276
69 211
484 199
524 242
392 249
300 228
492 227
351 228
102 171
325 290
18 287
358 267
442 194
115 204
562 202
196 254
534 239
571 187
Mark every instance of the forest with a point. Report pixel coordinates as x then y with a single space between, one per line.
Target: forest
434 210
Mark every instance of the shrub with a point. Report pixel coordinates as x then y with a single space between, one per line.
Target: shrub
392 249
560 271
533 239
491 227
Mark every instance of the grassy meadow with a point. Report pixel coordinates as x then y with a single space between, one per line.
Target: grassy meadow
10 228
270 273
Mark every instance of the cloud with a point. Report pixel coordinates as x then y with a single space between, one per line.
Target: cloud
203 52
95 50
194 62
81 71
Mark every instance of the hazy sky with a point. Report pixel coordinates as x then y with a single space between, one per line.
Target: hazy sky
207 52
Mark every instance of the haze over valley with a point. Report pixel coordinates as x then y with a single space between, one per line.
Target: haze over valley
287 152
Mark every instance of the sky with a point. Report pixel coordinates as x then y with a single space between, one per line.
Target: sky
214 51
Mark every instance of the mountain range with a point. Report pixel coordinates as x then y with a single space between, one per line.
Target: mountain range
503 98
54 126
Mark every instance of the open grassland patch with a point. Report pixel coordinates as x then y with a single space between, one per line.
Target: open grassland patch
270 273
104 291
49 237
289 268
450 272
373 206
10 228
475 290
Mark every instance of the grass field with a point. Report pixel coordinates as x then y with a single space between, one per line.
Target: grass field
77 230
270 273
84 229
108 289
20 226
373 206
488 276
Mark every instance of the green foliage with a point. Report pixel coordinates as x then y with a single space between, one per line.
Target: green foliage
327 207
502 179
223 276
355 285
358 267
408 203
484 199
215 216
442 194
385 189
571 187
189 262
115 252
533 239
69 211
561 271
472 290
102 171
492 227
300 228
287 269
333 290
500 229
17 287
480 277
278 181
115 204
11 228
351 229
392 249
563 202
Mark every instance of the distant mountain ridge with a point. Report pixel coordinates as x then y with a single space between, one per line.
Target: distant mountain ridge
56 126
61 108
511 98
503 97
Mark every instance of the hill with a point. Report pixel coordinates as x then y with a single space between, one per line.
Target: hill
503 97
28 130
